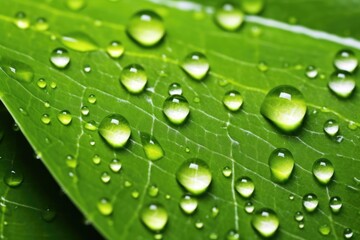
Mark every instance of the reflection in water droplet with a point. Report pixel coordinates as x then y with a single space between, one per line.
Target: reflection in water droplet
64 117
188 204
229 16
335 204
245 186
151 146
115 165
285 107
154 216
115 129
17 70
60 58
115 49
342 84
281 163
252 6
324 229
21 20
105 207
266 222
249 207
175 89
133 78
41 24
146 28
13 178
348 233
311 72
233 100
331 127
310 202
227 171
176 109
196 65
323 170
48 214
345 60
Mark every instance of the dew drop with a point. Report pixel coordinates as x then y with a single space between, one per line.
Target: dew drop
285 107
13 178
188 204
41 83
352 125
299 216
310 202
46 104
345 60
215 211
79 41
213 236
281 163
105 207
175 89
64 117
75 5
133 78
85 110
146 28
151 146
323 170
266 222
301 225
227 171
127 184
135 194
153 190
96 159
249 207
252 6
45 118
233 100
115 129
53 85
263 67
342 84
90 125
199 224
92 99
348 233
229 17
176 109
115 49
311 72
324 229
41 24
291 197
17 70
115 165
21 20
232 234
60 58
194 175
71 161
245 186
87 68
196 65
105 177
154 216
48 214
331 127
335 204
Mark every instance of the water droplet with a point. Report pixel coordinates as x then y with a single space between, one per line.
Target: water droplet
215 211
175 89
311 72
87 68
229 16
153 190
232 234
53 85
96 159
79 41
146 28
345 60
301 225
90 125
85 110
41 24
60 58
352 125
133 78
299 216
41 83
48 214
233 100
245 186
199 224
176 109
105 207
17 70
335 204
105 177
348 233
213 236
127 184
46 104
266 222
92 98
75 5
115 49
323 170
196 65
331 127
71 161
45 118
194 175
249 207
115 165
21 20
291 197
281 163
252 6
325 229
342 84
188 204
263 67
115 129
158 236
135 194
310 202
285 107
13 178
64 117
154 216
151 146
227 171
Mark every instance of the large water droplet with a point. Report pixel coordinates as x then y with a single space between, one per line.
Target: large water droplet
146 28
21 20
342 84
188 204
281 163
232 234
348 233
335 204
194 175
331 127
151 146
175 89
105 207
229 16
154 216
345 60
323 170
176 109
324 229
310 202
133 78
115 165
60 58
79 41
245 186
115 129
17 70
64 117
266 222
233 100
285 107
13 178
115 49
196 65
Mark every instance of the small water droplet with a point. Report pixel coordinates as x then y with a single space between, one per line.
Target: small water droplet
324 229
281 163
115 165
348 233
323 170
41 24
71 161
299 216
127 184
342 84
105 207
263 67
194 175
291 197
90 125
249 207
151 146
176 109
213 236
199 224
187 150
105 177
75 5
188 204
133 78
53 85
13 178
158 236
311 72
17 70
85 110
227 171
245 186
48 214
46 104
345 60
60 58
115 49
352 125
154 216
285 107
79 41
92 99
96 159
41 83
215 211
21 20
153 190
135 194
252 6
232 234
335 204
87 68
196 65
115 129
175 89
331 127
45 118
310 202
64 117
301 225
266 222
146 28
229 16
233 100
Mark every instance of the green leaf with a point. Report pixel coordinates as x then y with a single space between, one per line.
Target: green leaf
242 141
